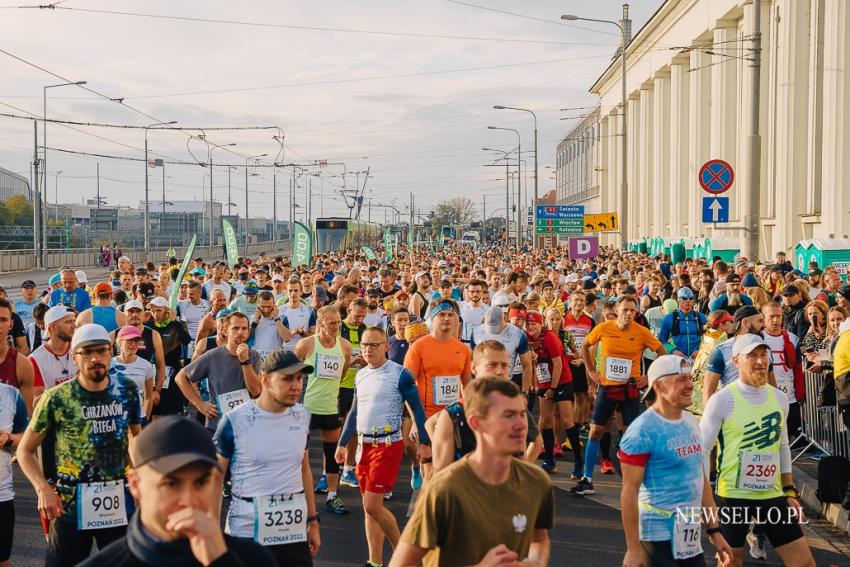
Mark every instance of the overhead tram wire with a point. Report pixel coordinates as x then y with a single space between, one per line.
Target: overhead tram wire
85 87
302 27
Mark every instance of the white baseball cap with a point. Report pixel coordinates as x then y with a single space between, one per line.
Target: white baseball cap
748 343
277 278
90 334
663 366
81 276
133 304
157 302
56 313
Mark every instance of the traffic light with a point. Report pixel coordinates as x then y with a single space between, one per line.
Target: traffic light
513 208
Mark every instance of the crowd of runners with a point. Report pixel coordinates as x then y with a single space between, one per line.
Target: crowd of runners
137 420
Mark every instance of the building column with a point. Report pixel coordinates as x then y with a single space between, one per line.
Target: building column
634 165
835 218
791 84
724 110
698 135
646 179
815 109
679 184
659 213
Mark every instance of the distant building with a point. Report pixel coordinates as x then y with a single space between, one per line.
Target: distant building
12 184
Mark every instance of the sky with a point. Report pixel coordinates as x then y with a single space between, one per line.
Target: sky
404 89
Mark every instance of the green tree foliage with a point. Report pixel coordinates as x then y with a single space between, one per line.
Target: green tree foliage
16 211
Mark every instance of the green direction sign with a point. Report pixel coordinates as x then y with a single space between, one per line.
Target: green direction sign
559 230
559 226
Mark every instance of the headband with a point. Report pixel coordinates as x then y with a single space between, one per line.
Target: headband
517 314
534 317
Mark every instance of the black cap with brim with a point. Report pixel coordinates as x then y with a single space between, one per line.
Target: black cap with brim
173 442
285 361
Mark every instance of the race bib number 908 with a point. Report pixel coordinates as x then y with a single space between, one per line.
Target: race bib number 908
101 505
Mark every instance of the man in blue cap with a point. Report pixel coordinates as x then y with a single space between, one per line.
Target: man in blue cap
684 326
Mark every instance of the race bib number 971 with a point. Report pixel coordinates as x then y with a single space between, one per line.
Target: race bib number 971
231 400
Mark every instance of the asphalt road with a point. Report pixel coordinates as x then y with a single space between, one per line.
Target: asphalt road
12 281
587 532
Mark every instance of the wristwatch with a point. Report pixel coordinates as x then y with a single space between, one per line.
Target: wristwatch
246 363
8 444
314 518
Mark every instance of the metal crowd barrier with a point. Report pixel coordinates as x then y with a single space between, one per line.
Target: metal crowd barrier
823 427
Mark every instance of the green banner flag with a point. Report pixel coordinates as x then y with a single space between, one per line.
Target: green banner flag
302 245
388 244
369 252
410 237
172 302
230 242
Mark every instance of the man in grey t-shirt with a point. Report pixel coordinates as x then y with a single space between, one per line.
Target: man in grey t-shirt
232 371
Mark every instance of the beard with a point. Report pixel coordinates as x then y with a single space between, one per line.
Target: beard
65 336
96 374
759 379
734 298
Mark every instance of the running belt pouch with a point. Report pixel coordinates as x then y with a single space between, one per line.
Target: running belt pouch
632 392
833 475
617 393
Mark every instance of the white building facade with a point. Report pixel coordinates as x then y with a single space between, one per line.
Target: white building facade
689 98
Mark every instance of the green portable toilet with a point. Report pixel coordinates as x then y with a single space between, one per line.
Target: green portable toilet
677 250
690 247
801 255
828 252
642 246
725 248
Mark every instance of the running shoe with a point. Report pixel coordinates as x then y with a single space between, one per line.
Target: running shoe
388 495
578 471
584 487
541 453
756 544
584 431
549 467
348 479
321 486
335 506
558 451
566 445
415 478
606 466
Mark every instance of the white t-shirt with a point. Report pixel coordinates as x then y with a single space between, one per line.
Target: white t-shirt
374 319
193 314
784 375
472 318
13 419
140 371
51 369
302 316
266 338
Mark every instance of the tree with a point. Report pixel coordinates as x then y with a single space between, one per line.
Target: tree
456 211
16 211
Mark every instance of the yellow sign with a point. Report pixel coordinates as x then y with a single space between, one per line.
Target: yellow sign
601 222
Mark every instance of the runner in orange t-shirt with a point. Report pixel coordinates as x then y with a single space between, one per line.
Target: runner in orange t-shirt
440 363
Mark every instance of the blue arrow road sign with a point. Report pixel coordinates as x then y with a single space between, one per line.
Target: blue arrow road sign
715 209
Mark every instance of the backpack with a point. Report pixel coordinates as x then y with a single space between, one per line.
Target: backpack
675 331
464 437
833 476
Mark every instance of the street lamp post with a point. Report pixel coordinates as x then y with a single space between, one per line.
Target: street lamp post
56 196
246 192
518 180
624 184
536 196
507 190
44 214
211 148
147 195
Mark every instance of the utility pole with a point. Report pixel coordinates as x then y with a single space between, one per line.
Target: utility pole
412 220
507 203
228 190
274 204
246 203
38 243
484 220
752 202
98 185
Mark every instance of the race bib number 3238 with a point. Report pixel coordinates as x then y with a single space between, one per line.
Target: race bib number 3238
280 519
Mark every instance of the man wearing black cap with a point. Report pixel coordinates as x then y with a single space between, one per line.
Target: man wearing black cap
720 369
175 481
795 310
269 471
25 306
732 298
